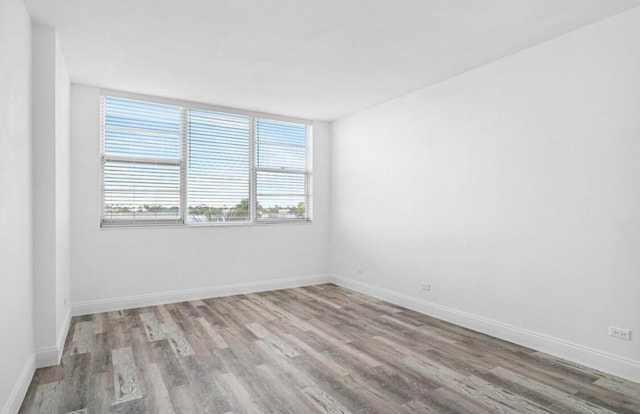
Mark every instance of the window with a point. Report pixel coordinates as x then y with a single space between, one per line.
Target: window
171 164
141 162
281 170
218 167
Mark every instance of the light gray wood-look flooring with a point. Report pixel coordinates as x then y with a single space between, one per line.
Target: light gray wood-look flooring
320 349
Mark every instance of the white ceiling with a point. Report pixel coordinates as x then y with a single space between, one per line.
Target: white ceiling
321 59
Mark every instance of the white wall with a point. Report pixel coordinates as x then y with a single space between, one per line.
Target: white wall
114 263
63 194
51 155
16 299
513 189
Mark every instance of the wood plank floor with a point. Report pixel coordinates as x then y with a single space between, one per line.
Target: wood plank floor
320 349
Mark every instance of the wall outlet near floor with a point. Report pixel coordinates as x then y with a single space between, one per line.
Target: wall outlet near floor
426 286
620 333
359 270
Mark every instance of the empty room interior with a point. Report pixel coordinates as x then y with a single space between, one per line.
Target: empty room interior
337 206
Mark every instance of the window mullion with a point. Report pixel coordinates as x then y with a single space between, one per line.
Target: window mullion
103 160
183 165
309 172
252 170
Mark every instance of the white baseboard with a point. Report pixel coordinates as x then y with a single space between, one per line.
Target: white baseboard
609 363
13 403
51 355
161 298
603 361
46 357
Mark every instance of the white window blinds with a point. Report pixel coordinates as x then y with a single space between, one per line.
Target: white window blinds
170 164
281 170
218 169
141 162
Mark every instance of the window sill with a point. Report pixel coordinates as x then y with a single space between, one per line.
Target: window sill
109 226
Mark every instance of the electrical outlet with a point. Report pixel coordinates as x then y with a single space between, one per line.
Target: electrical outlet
359 270
620 333
65 301
426 286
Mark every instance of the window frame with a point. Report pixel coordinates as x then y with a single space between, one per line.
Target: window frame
182 163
